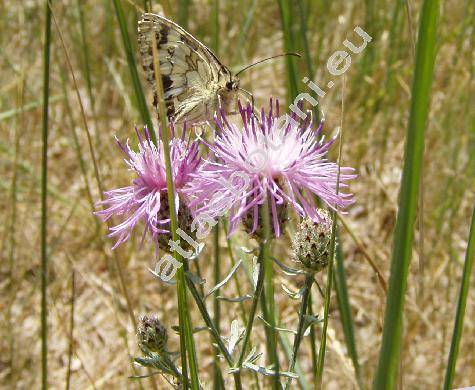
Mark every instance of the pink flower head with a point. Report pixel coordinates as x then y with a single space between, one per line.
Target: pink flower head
146 199
280 158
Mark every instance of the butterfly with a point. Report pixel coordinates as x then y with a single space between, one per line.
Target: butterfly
195 83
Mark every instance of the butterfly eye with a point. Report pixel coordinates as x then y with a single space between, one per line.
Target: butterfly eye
230 85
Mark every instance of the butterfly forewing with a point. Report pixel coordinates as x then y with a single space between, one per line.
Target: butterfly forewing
192 76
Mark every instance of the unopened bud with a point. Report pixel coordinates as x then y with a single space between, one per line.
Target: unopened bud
151 334
311 243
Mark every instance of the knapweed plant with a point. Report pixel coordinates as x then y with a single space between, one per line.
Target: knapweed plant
259 173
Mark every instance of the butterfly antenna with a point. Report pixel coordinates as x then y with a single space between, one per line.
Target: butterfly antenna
267 59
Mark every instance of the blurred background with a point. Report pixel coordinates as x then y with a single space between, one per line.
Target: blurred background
91 327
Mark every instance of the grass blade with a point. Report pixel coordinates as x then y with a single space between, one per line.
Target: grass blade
183 12
403 235
139 94
306 53
44 201
329 286
344 307
28 107
286 18
462 303
71 330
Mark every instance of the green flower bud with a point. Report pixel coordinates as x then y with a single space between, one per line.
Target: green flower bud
311 243
152 335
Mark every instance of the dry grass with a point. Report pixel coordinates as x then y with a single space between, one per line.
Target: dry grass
374 116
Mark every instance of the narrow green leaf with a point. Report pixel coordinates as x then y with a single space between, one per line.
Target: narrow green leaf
28 107
287 22
44 201
462 303
139 94
385 377
306 53
344 307
183 12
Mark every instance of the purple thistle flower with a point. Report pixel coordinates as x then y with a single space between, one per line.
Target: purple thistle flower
146 199
284 161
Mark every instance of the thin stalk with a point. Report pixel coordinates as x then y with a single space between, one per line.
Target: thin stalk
86 59
218 377
117 264
286 19
238 288
139 94
328 290
306 52
236 279
95 165
390 82
71 330
214 331
422 259
244 31
313 341
361 247
18 124
326 310
403 235
44 201
77 145
267 298
461 305
28 107
252 313
215 21
187 344
300 328
287 348
183 12
218 381
147 5
344 307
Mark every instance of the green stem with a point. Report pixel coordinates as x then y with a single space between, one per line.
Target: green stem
323 340
313 341
214 331
218 377
87 72
300 328
347 322
286 20
385 376
238 288
252 313
183 12
44 205
461 305
71 329
186 330
267 298
307 56
129 51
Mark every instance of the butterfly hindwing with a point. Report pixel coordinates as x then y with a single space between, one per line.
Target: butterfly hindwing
191 73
